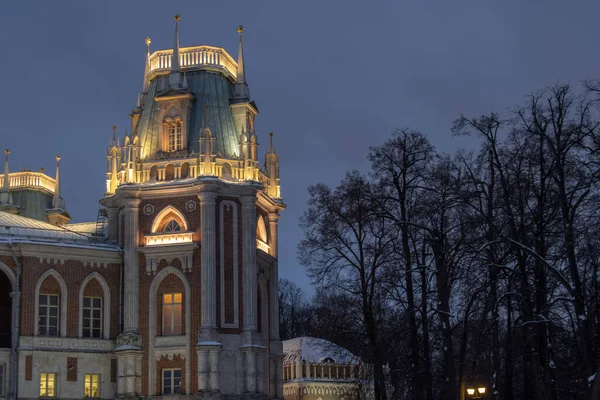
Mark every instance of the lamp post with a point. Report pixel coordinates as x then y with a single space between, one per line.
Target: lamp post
476 393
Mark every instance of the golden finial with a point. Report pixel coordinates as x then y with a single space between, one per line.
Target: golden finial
57 158
42 170
177 17
148 41
240 29
6 151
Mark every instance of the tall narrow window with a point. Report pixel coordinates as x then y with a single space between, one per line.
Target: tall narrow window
47 384
171 381
178 136
92 317
48 315
175 135
2 377
172 314
92 385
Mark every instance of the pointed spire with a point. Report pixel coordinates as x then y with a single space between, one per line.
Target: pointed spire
146 85
270 142
57 201
175 75
175 57
242 92
114 135
241 71
5 196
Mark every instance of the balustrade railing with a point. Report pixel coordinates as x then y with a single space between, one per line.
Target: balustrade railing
193 57
29 179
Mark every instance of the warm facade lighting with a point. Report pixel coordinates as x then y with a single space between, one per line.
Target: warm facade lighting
162 239
471 392
262 245
481 390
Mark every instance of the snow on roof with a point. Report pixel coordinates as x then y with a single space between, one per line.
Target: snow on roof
19 227
315 350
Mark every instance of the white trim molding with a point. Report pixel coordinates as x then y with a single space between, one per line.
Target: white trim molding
183 252
63 302
235 233
152 351
163 213
105 304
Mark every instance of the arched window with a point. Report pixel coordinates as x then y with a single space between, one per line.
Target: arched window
172 226
175 131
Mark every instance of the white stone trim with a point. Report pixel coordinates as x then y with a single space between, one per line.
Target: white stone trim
236 308
153 254
105 304
159 217
63 302
152 328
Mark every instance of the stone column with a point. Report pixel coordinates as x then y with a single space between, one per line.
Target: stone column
249 261
130 261
208 266
279 377
202 370
250 371
214 369
113 224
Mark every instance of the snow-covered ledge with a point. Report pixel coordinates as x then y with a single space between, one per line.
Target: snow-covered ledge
182 252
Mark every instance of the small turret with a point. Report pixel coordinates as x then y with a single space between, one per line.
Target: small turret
58 215
146 85
272 170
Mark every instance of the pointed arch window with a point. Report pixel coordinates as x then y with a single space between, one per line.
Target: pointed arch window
172 226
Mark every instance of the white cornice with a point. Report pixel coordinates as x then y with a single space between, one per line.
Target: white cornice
59 253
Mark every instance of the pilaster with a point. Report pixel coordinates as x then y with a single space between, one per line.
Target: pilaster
113 224
208 266
249 265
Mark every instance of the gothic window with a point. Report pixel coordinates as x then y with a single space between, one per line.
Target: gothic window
48 315
172 226
92 385
47 384
92 317
172 314
175 135
171 381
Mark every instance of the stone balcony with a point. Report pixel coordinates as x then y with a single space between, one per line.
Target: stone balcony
192 58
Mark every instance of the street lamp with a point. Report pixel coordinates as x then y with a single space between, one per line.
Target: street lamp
476 393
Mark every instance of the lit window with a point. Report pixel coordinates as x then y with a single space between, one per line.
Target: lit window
175 131
92 317
48 315
92 385
171 381
47 381
2 367
172 226
172 314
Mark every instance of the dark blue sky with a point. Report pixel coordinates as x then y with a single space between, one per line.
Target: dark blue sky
331 78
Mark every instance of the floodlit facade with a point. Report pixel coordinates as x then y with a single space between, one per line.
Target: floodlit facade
172 291
316 369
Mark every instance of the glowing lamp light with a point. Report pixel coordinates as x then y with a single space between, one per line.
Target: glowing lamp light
471 392
481 390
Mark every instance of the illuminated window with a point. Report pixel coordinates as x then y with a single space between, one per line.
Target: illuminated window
47 382
175 131
92 317
172 226
172 314
48 315
2 368
171 381
92 385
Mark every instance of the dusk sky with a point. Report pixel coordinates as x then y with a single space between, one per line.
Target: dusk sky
330 78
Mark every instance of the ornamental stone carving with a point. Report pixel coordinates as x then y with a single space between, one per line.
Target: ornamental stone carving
148 209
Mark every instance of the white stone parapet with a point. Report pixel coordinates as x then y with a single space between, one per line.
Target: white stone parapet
194 57
29 179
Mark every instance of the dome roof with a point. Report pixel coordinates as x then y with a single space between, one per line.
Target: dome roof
316 350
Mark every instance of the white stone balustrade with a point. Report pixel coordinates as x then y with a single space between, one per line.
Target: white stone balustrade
194 57
158 239
28 179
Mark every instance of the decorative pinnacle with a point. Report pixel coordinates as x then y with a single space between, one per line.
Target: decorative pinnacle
177 17
57 157
148 41
6 151
240 29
